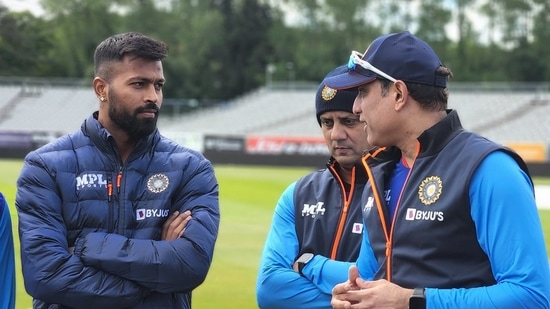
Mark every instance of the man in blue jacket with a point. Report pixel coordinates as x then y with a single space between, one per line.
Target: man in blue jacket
317 226
450 217
7 260
115 215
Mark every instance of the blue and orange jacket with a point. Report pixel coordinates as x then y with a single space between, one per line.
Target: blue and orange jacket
317 214
90 226
465 222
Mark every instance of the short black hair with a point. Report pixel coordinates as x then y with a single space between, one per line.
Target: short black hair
433 98
116 47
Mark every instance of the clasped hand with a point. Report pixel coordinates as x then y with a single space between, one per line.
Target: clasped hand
357 293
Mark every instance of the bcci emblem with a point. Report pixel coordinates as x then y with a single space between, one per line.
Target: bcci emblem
430 190
158 183
328 93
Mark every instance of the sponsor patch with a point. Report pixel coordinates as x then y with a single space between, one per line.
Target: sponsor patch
357 228
424 215
91 180
144 213
369 204
313 210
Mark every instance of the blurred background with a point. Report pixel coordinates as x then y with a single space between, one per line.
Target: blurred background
241 74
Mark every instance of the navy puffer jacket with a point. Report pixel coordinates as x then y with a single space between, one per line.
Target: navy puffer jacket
90 227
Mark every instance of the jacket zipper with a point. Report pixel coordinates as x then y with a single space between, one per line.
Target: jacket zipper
118 188
344 215
110 203
380 206
110 200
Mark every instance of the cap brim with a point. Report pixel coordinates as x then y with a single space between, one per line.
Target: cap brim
349 79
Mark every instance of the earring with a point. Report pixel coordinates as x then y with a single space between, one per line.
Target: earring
102 99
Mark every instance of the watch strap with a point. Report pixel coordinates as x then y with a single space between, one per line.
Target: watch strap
303 260
419 292
418 299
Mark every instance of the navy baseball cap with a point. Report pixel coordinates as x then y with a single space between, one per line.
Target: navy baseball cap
330 99
395 56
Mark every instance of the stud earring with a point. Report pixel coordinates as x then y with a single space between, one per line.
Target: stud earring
102 99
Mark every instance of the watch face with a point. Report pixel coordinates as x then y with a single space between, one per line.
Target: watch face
418 299
417 302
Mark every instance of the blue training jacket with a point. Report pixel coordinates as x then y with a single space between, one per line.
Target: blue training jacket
90 227
508 230
7 260
313 215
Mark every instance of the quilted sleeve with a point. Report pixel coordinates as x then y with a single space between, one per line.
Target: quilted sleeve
165 266
51 273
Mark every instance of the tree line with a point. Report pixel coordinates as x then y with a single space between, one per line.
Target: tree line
220 49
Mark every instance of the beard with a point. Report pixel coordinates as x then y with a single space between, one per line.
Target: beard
129 122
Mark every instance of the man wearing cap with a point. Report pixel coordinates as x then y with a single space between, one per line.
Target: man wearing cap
450 217
317 225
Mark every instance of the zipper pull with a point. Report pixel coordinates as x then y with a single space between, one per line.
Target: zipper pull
109 188
118 181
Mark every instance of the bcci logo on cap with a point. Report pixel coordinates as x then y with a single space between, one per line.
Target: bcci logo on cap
328 93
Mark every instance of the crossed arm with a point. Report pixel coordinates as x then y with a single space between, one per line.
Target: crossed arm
106 269
279 285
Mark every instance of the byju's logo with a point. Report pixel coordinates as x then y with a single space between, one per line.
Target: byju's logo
357 228
144 213
90 181
313 210
425 215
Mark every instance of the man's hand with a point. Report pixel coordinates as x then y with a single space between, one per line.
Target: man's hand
357 293
340 291
175 225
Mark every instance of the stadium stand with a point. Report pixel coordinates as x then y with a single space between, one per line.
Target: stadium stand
9 96
500 115
263 112
58 109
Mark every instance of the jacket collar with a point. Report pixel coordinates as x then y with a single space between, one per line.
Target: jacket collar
360 173
435 138
105 141
431 141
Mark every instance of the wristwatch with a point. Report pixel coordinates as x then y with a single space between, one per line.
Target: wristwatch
303 260
418 299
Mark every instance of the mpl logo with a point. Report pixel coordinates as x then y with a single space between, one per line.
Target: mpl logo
90 181
313 210
143 213
369 204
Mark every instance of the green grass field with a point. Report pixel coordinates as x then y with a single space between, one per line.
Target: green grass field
247 198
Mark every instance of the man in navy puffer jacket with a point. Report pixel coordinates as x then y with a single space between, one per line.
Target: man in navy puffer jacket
116 215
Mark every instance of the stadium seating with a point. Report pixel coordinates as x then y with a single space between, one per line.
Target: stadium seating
58 109
500 115
263 112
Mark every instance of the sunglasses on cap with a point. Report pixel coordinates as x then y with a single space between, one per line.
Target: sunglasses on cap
355 59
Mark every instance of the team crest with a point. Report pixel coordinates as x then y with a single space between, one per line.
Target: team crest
328 93
430 190
158 183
